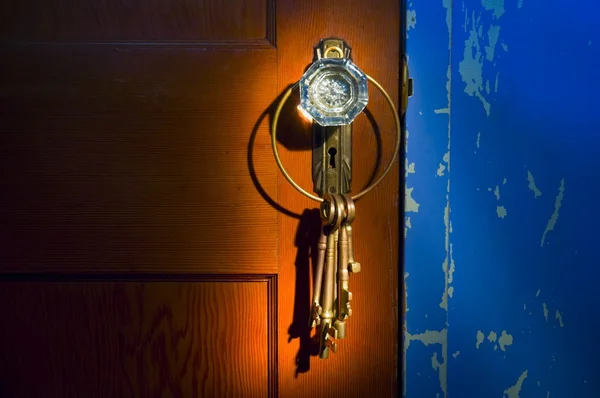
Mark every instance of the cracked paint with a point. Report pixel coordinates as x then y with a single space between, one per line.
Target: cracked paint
554 217
513 264
536 192
515 390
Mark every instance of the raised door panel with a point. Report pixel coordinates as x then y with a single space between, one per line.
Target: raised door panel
136 158
97 339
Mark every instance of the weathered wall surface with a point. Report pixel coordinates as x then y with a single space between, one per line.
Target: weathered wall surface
502 199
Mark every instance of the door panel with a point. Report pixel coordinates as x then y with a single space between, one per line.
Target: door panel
134 339
152 20
137 160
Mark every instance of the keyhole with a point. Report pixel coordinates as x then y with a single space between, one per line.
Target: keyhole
332 152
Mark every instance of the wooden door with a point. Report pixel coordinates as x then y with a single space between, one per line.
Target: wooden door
150 246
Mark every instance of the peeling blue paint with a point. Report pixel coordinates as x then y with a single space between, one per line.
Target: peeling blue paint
501 258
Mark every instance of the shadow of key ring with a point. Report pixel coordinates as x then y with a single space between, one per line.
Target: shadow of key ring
387 169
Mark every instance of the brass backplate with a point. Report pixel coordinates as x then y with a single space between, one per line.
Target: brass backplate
332 146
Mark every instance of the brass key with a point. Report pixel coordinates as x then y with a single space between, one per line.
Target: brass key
330 211
353 266
344 296
318 279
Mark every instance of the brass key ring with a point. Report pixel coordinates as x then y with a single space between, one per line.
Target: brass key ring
387 169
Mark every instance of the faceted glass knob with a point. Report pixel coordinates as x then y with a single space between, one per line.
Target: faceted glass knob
333 91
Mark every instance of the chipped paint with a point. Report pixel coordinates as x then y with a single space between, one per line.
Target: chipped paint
554 217
559 319
471 67
411 20
433 337
411 205
497 6
502 257
448 261
501 211
492 33
480 337
440 170
537 193
505 340
515 390
410 168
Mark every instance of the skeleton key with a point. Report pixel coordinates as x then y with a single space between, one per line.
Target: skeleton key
353 266
316 309
328 217
344 296
330 211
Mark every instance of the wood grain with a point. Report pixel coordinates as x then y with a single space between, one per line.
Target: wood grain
366 362
142 161
133 339
134 20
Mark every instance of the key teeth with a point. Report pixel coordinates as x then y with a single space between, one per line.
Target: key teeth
354 267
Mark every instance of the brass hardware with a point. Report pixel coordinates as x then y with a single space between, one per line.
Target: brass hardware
328 333
317 310
368 189
333 91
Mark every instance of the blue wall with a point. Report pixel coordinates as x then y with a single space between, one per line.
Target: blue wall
502 270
